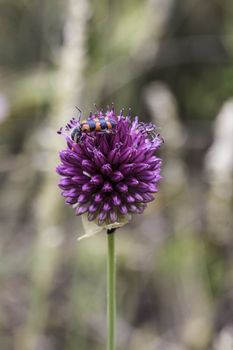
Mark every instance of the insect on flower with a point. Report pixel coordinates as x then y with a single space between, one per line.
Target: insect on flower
109 169
100 124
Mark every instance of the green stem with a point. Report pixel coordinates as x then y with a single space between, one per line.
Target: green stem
111 290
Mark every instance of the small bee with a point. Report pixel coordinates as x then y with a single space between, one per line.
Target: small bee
101 124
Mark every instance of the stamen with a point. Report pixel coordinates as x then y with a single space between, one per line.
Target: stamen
149 129
121 112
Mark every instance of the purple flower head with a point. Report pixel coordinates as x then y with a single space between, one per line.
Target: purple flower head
111 172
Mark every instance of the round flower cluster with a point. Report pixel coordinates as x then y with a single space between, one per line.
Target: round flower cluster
110 174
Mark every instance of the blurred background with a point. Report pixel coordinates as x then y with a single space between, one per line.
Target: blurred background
171 61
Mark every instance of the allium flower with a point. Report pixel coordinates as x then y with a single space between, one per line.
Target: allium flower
112 174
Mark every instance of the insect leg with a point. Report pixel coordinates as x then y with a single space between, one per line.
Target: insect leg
80 113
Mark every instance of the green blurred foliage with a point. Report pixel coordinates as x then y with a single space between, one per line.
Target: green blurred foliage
174 285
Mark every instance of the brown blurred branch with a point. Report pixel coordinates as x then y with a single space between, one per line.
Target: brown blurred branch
47 208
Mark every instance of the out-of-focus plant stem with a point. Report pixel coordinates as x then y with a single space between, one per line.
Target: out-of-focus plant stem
111 290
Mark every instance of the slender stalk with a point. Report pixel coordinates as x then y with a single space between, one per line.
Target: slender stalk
111 290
